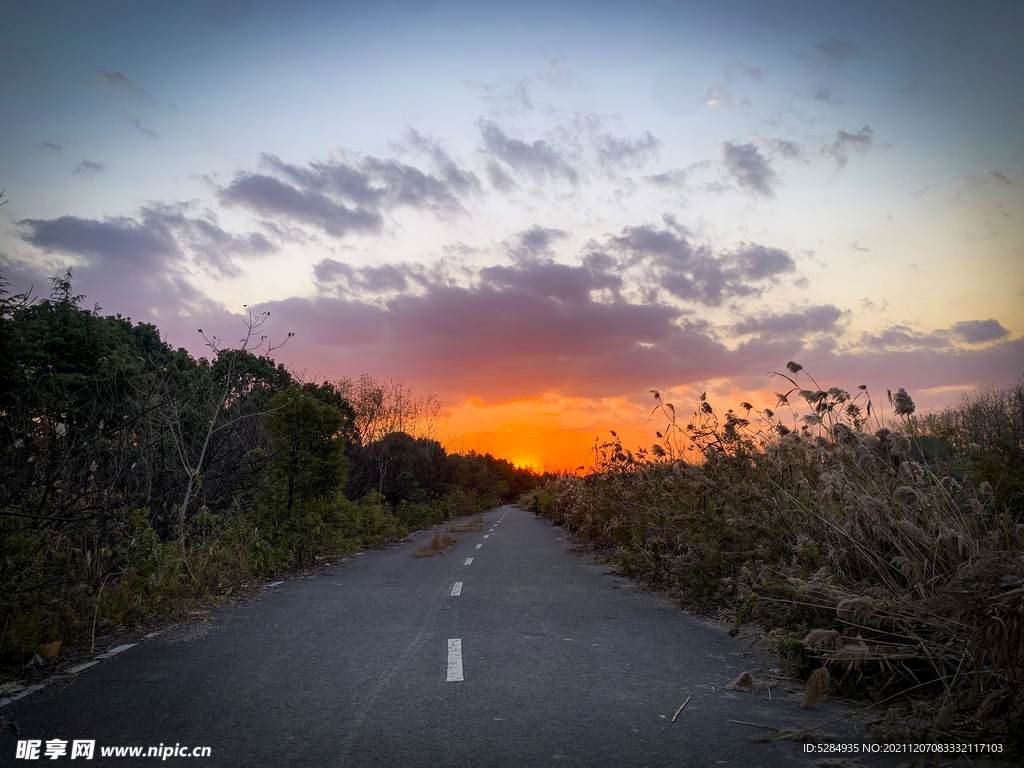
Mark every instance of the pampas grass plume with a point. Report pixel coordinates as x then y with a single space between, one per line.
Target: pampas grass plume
817 686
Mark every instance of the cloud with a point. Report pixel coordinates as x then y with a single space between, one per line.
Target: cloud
142 266
217 248
759 262
541 320
384 184
979 331
669 263
535 242
406 185
363 281
271 197
499 178
586 136
460 181
134 264
838 149
837 51
677 177
924 366
790 150
860 140
749 169
121 239
49 146
998 176
626 152
144 130
568 284
350 193
538 160
823 318
87 168
338 179
717 96
903 338
152 244
115 79
823 93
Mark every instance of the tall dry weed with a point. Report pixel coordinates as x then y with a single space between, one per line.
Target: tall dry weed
837 522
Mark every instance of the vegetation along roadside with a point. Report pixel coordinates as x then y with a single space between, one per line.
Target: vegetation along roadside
885 550
138 483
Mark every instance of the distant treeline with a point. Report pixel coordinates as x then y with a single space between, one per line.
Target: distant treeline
136 479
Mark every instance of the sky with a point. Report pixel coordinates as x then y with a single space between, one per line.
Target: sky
538 212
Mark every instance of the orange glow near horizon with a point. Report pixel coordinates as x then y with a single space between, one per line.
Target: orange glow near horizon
552 433
547 433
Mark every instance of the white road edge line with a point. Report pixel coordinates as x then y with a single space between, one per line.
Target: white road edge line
457 589
455 660
469 560
115 651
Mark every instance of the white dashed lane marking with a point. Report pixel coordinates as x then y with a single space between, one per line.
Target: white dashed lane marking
478 546
455 660
469 560
457 589
486 535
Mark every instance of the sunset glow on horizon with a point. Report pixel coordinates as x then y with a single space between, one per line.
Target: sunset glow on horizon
541 212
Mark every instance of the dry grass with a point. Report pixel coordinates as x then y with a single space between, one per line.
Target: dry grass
817 687
854 550
746 682
438 543
474 525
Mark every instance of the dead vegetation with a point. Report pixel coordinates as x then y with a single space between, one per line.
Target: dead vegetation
878 570
746 682
474 525
438 543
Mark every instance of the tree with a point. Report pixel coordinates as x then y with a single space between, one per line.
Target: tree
308 451
383 409
217 405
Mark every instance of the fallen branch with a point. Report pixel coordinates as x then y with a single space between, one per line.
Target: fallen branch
755 725
681 708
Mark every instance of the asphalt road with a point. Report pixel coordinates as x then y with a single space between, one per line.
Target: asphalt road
561 665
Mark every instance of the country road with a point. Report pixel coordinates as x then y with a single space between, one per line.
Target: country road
504 651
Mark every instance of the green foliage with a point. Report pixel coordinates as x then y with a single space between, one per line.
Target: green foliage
307 463
137 481
370 522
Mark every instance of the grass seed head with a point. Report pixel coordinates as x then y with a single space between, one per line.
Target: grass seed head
823 640
906 495
744 682
856 610
817 686
898 444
